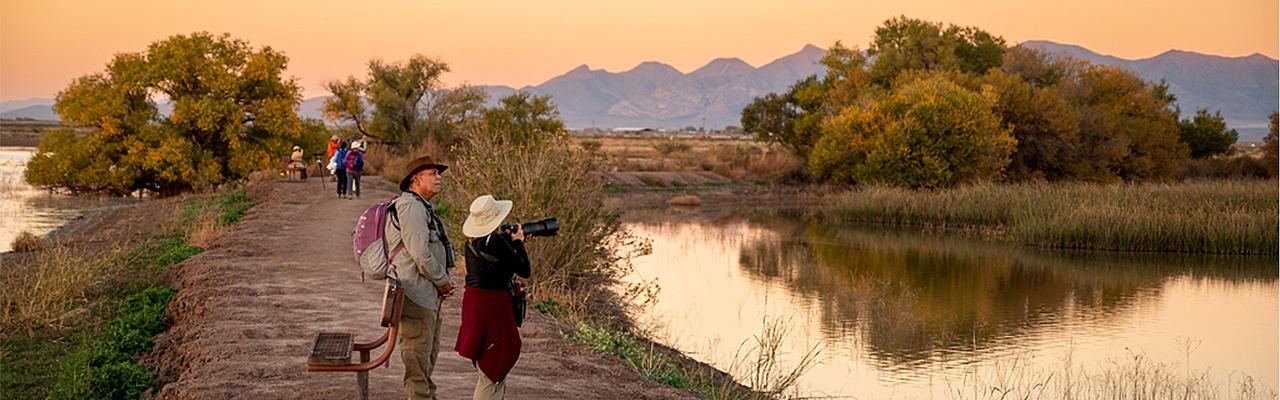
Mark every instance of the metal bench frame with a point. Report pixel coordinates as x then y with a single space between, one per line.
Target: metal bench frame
392 305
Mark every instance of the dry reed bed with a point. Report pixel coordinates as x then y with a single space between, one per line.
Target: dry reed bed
1221 217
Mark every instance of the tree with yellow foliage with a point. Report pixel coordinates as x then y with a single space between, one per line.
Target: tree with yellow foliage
233 114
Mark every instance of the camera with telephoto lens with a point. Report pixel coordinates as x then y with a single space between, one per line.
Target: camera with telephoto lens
545 227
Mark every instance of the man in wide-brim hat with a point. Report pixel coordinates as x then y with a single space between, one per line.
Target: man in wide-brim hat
423 271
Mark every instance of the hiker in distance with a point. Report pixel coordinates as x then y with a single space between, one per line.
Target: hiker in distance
338 163
355 167
489 335
423 270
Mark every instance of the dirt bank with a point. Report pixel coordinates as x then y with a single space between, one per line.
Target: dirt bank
248 306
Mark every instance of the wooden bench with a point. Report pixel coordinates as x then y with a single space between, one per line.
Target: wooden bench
331 351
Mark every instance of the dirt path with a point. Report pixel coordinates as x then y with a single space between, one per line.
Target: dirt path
249 306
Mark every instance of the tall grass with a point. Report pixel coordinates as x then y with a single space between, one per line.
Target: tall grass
1131 376
52 292
757 363
55 300
1224 217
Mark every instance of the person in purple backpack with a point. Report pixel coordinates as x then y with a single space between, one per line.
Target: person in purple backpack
340 167
354 162
423 269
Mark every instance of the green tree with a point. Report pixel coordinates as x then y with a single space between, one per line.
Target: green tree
792 119
904 44
396 91
1207 134
929 132
795 119
347 105
523 117
233 113
403 103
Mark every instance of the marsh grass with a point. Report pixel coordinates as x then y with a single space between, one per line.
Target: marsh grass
73 319
52 292
1222 217
1131 376
757 363
27 242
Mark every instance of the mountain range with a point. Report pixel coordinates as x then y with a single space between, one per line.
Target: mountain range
656 95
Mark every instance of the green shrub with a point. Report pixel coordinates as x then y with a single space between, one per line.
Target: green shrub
233 206
106 367
121 381
174 251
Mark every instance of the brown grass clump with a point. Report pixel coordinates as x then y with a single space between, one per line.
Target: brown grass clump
49 293
688 200
28 242
203 228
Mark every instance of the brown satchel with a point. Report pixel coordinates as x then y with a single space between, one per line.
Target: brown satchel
388 302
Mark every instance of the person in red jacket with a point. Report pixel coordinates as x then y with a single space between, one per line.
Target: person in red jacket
489 336
334 143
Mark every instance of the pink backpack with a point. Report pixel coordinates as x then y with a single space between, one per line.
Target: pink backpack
370 241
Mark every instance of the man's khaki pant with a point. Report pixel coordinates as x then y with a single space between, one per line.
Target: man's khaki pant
487 390
419 346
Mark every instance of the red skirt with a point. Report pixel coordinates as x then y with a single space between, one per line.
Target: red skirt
489 336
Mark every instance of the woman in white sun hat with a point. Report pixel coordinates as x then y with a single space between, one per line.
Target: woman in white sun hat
489 336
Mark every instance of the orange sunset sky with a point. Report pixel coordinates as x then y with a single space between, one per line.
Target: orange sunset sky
46 43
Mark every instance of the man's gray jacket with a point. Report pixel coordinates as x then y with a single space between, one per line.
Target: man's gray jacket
425 261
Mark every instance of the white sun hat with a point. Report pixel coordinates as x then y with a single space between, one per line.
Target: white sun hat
486 214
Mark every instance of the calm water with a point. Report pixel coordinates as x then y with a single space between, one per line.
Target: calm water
908 315
24 208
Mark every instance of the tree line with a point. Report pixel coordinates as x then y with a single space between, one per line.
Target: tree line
234 113
928 105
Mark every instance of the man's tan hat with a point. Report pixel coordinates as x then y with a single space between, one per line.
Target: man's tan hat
418 165
486 214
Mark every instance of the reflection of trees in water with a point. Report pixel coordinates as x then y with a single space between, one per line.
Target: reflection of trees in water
911 295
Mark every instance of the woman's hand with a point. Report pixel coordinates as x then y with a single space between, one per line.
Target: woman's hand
519 233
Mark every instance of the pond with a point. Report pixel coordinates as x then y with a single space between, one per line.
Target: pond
896 313
26 209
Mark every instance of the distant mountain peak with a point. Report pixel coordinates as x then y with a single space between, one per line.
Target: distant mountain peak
809 48
653 67
724 66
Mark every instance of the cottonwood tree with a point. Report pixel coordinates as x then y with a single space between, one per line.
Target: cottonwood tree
1068 119
1206 134
233 113
523 117
904 44
403 103
929 132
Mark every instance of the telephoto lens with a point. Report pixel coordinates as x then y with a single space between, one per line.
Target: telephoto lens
544 227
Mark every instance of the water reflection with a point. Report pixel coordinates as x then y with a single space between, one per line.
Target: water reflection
24 208
898 309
